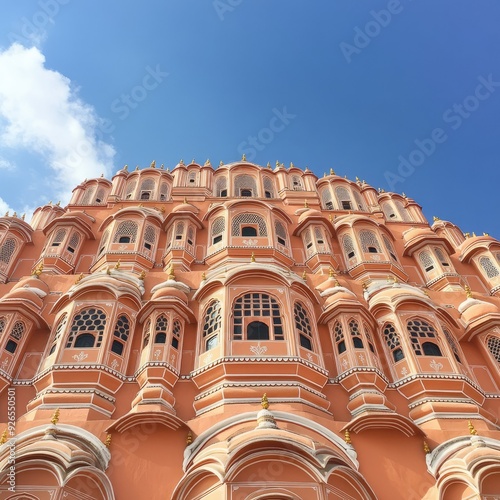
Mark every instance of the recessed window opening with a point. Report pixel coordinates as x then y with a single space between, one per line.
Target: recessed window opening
248 231
246 192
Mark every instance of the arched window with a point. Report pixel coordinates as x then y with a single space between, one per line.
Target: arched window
218 227
221 187
121 333
59 329
176 334
7 250
211 325
389 247
126 232
308 242
389 212
88 196
369 241
419 331
426 261
99 197
87 323
146 189
245 185
402 211
303 326
359 201
369 338
73 243
192 178
163 191
297 183
104 241
493 344
326 198
15 337
190 238
489 268
348 245
59 237
343 198
129 193
357 340
440 255
280 231
161 329
254 314
339 337
268 187
149 237
147 334
392 341
453 344
179 232
247 220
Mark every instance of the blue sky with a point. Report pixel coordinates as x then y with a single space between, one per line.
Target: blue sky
402 93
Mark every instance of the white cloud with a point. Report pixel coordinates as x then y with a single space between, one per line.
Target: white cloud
41 112
4 207
6 164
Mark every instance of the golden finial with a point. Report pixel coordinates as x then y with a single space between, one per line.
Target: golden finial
365 286
357 180
221 163
153 164
243 157
277 163
426 292
332 172
162 166
137 167
23 216
7 214
207 163
189 438
324 174
107 441
403 195
252 257
306 205
102 175
125 168
55 417
108 270
467 235
268 165
345 176
331 272
185 200
427 450
171 274
306 169
382 190
389 279
142 276
3 439
80 277
304 275
347 436
203 276
473 234
472 429
193 161
330 218
181 162
468 291
434 218
117 265
486 234
264 402
14 214
292 165
38 270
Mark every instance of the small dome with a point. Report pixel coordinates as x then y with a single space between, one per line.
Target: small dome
472 309
170 289
309 212
185 207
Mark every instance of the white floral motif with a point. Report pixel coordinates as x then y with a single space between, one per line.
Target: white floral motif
208 358
309 357
172 359
345 364
157 353
436 366
361 358
258 349
5 362
404 371
80 357
114 364
250 243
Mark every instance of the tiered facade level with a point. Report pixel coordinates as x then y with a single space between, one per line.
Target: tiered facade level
141 325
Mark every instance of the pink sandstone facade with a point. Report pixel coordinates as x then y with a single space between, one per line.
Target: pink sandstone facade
245 333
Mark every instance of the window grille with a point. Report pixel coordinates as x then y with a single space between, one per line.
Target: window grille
280 232
303 326
453 344
179 231
150 235
392 341
192 178
190 238
245 182
389 212
426 261
359 202
147 185
176 334
420 330
321 246
339 337
130 190
255 306
297 183
126 229
343 198
489 268
17 330
99 197
326 198
121 333
88 196
218 227
348 245
369 242
212 325
59 237
163 191
355 334
268 187
104 241
161 328
147 334
7 250
403 211
90 321
245 218
59 329
73 242
2 325
440 255
221 187
493 344
369 338
389 247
